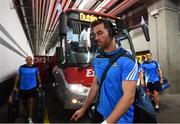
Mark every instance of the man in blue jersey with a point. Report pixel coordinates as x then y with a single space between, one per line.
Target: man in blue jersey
118 89
153 78
26 84
139 70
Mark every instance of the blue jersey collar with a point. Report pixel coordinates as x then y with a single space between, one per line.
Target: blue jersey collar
113 52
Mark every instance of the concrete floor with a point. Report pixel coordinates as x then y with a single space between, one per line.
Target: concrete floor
169 108
169 111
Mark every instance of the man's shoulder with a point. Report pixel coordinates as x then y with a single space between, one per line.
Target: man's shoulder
149 62
25 66
125 55
128 56
156 63
126 60
153 61
146 63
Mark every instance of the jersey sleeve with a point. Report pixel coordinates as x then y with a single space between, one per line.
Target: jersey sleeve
129 70
19 71
158 65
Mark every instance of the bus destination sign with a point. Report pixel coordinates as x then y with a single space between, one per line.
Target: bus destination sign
88 17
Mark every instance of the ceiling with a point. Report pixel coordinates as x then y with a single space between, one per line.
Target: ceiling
39 18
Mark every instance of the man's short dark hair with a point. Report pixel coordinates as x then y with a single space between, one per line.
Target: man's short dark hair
149 53
107 25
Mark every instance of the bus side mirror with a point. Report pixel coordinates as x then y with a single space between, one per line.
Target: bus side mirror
59 55
62 24
145 29
146 32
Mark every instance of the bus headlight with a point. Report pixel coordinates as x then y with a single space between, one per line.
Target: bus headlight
75 87
78 88
74 101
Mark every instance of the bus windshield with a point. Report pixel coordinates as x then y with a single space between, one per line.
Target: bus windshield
81 47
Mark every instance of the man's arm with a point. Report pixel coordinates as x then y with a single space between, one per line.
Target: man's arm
16 81
92 94
39 80
142 78
89 99
160 75
129 88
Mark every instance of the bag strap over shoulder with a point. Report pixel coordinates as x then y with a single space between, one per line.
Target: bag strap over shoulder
113 59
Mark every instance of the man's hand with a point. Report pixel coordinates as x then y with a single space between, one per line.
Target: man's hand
161 80
78 114
89 99
15 89
10 99
143 84
40 85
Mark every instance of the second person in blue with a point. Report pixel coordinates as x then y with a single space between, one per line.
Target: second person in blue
153 78
118 89
26 82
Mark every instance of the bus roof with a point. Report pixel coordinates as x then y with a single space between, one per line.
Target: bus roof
91 12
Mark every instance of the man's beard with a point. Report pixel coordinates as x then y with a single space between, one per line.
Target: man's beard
106 44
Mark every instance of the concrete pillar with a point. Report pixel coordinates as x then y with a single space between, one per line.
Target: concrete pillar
165 39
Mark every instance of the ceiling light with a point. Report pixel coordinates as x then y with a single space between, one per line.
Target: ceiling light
98 8
76 4
82 5
67 4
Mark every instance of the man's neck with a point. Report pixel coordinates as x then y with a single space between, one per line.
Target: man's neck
29 65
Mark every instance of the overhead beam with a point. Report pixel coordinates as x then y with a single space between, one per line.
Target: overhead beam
123 6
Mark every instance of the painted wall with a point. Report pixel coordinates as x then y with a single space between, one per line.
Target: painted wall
14 46
139 41
165 39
